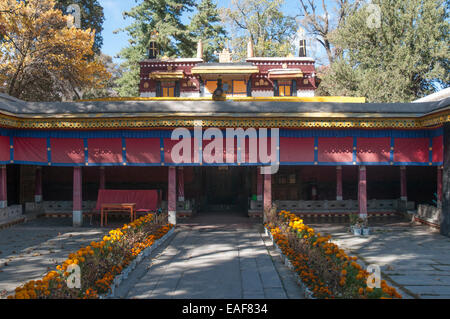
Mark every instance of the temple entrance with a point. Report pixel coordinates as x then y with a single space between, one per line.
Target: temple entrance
225 189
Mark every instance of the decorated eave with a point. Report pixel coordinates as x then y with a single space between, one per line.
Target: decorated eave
224 69
189 61
169 75
284 73
278 59
239 112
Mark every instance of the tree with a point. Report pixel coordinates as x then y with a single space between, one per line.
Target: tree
262 22
150 16
40 57
92 17
393 51
205 25
109 87
321 26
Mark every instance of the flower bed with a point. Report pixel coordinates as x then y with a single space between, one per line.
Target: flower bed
324 268
99 263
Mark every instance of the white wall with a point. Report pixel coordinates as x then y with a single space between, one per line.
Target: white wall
305 93
259 93
148 94
189 94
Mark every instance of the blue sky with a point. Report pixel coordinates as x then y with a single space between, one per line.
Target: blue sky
113 9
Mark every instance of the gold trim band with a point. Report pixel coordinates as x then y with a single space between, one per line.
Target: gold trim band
328 99
169 122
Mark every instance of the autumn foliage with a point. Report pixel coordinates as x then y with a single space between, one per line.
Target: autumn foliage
41 57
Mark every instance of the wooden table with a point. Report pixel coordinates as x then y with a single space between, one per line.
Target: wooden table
125 207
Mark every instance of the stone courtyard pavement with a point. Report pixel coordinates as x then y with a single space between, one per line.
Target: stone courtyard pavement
28 251
213 256
227 256
414 257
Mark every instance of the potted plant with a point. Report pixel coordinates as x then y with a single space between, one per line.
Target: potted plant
358 226
354 225
365 227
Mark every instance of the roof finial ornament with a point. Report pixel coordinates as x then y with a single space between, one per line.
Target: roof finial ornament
224 56
218 93
153 49
200 49
302 45
250 49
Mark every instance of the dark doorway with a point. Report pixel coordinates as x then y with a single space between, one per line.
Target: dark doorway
13 184
225 188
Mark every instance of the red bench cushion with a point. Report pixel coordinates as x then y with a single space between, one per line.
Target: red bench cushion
144 199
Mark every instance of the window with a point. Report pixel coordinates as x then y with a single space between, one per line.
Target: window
211 86
284 88
239 87
168 89
230 87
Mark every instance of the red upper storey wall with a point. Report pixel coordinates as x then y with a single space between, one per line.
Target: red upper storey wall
154 148
191 83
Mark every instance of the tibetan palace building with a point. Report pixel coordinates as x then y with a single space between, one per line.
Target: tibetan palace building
334 155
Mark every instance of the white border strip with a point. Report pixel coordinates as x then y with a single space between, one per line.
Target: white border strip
306 291
126 271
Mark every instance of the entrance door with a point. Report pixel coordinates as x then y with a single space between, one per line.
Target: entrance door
225 189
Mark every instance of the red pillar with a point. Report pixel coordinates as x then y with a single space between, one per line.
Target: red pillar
439 186
102 183
77 197
3 187
338 182
362 192
267 194
259 184
172 196
38 185
180 184
403 192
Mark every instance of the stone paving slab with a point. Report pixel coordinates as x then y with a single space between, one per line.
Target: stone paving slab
29 250
413 256
424 280
224 262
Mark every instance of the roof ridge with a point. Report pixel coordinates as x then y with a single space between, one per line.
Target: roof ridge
8 97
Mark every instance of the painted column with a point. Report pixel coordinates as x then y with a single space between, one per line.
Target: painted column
362 192
102 184
3 187
439 187
253 180
172 196
38 185
259 184
180 184
403 192
267 194
445 216
314 192
77 197
338 182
